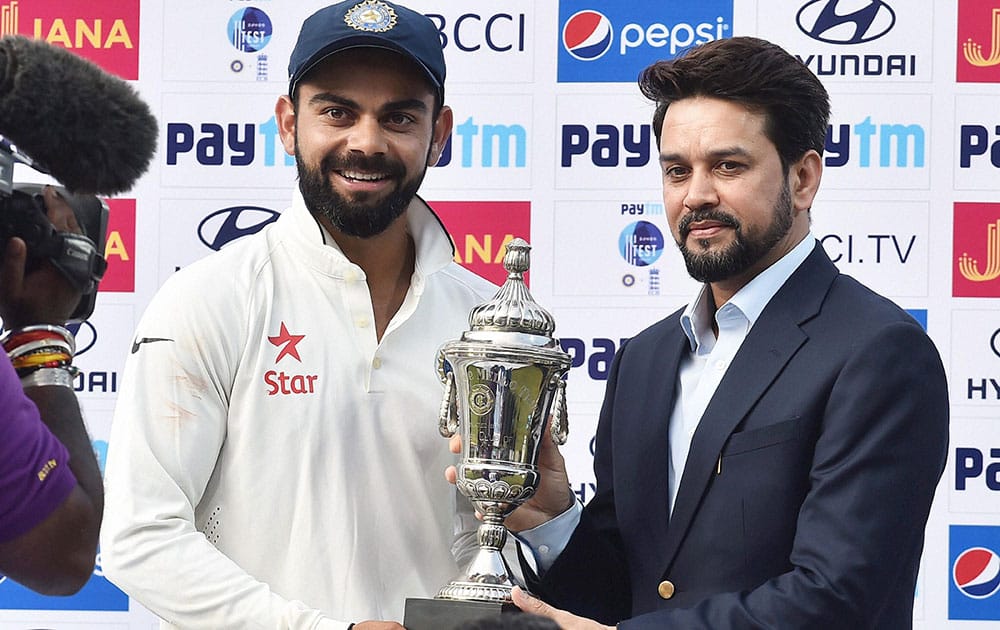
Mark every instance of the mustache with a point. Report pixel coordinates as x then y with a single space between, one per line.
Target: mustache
356 162
684 227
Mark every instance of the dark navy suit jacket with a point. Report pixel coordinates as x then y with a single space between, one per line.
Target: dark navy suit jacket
808 483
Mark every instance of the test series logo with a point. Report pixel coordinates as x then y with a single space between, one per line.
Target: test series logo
105 32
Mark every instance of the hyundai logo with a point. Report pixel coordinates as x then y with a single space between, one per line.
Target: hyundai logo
225 226
995 342
85 335
821 20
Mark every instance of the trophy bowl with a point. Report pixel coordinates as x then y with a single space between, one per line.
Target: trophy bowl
503 380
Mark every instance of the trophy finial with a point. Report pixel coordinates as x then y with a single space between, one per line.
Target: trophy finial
513 309
517 259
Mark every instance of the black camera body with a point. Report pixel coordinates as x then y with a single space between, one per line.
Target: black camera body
79 257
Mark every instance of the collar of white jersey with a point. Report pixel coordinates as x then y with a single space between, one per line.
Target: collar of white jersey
434 247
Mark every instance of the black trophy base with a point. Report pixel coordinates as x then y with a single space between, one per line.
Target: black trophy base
449 614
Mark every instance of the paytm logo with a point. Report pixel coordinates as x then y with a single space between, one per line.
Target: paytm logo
972 464
226 144
882 145
607 145
595 354
975 572
610 41
487 145
978 140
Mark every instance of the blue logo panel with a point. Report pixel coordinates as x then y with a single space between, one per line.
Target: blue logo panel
608 41
974 561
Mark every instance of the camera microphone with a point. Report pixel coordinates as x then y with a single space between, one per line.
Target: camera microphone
86 128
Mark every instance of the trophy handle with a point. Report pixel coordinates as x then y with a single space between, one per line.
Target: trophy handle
559 428
448 415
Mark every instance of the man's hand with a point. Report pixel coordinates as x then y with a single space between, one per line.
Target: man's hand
566 621
43 296
553 496
378 625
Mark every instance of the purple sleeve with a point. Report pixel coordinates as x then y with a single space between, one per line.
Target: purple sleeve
34 466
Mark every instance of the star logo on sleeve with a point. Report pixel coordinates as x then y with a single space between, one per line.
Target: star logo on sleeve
289 341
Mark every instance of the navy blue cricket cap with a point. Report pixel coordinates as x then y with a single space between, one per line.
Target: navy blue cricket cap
368 23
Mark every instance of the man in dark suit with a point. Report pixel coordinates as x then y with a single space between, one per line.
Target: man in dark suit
767 456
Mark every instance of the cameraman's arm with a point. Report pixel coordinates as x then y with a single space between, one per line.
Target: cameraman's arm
56 554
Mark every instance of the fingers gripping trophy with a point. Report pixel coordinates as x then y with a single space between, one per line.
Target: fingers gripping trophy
502 380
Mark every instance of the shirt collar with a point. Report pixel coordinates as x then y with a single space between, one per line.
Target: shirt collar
750 300
433 244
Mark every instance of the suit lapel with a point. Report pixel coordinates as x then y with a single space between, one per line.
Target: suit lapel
772 342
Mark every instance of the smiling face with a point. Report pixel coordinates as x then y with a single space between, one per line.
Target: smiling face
363 134
732 209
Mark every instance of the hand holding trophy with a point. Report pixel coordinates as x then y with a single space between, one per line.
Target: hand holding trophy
502 380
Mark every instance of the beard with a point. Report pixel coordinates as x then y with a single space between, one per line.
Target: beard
746 249
364 216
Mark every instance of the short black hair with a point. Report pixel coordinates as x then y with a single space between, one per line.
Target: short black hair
755 73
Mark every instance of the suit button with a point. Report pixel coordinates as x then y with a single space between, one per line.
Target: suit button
665 589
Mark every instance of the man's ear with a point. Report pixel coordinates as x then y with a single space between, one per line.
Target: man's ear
440 135
284 114
803 179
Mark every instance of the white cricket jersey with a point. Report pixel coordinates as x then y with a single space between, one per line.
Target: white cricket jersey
271 463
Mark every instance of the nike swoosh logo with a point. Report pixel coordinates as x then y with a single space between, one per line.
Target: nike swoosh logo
139 342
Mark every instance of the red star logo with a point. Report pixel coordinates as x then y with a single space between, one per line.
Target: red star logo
289 340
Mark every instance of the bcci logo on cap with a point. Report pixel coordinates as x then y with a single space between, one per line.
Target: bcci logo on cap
371 16
975 572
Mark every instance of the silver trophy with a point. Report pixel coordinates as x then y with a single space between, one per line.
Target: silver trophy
501 379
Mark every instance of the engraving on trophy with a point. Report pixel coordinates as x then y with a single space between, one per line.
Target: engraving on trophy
503 381
481 399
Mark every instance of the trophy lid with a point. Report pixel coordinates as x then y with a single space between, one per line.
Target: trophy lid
512 309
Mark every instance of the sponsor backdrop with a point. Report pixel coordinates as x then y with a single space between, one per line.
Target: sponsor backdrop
552 142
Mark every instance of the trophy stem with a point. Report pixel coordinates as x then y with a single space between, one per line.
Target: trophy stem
488 577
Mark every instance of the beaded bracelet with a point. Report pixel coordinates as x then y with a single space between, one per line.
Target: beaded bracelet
41 354
17 337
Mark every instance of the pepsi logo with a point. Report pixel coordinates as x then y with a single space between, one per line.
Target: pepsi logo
587 35
225 226
977 572
829 22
